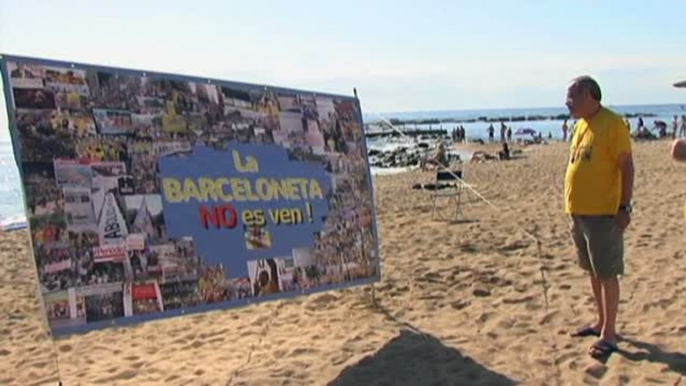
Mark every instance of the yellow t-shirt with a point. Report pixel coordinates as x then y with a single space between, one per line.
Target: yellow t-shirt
593 183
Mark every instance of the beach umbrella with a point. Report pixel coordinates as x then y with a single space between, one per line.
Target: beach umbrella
681 84
525 131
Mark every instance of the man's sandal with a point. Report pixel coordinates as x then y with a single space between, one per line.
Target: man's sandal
602 349
585 331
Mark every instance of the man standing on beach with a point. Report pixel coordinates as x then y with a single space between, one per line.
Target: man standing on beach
598 190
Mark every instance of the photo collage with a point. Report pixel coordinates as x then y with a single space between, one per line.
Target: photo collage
90 139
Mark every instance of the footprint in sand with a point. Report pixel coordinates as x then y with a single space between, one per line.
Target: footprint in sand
548 318
560 267
172 378
303 351
513 246
459 305
485 317
596 370
196 344
565 357
517 300
481 292
180 341
470 248
137 365
495 280
505 324
278 354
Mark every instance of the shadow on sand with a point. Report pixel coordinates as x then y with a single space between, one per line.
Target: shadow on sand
651 353
413 358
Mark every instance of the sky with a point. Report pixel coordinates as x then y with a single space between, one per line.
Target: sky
400 55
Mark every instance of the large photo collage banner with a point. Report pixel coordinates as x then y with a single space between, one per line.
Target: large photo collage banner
152 195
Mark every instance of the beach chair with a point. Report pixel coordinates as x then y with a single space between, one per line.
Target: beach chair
448 187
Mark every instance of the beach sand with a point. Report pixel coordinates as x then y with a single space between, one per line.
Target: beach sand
459 303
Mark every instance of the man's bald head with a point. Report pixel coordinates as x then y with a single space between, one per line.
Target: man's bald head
583 97
587 84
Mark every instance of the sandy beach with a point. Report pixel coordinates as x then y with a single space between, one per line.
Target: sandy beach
460 303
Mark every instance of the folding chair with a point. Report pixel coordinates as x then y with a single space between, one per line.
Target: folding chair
447 186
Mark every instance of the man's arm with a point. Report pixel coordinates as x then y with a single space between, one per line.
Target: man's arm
626 166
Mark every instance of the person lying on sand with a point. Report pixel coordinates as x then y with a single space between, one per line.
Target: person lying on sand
482 156
502 155
643 133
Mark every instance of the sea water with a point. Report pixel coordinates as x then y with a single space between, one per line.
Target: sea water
12 201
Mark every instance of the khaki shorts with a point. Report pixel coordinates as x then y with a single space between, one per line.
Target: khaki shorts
599 244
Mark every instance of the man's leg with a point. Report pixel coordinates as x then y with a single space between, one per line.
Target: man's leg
598 296
610 288
581 244
607 256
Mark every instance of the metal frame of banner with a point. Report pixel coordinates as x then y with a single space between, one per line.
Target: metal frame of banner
373 197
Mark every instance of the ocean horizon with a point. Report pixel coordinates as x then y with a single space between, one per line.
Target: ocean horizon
466 114
12 200
550 127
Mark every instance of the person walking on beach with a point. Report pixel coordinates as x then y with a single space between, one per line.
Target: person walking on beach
491 132
678 153
564 131
598 190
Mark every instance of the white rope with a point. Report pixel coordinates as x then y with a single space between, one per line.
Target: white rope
468 186
543 268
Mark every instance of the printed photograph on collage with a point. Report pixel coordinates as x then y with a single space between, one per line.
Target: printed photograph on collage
90 144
